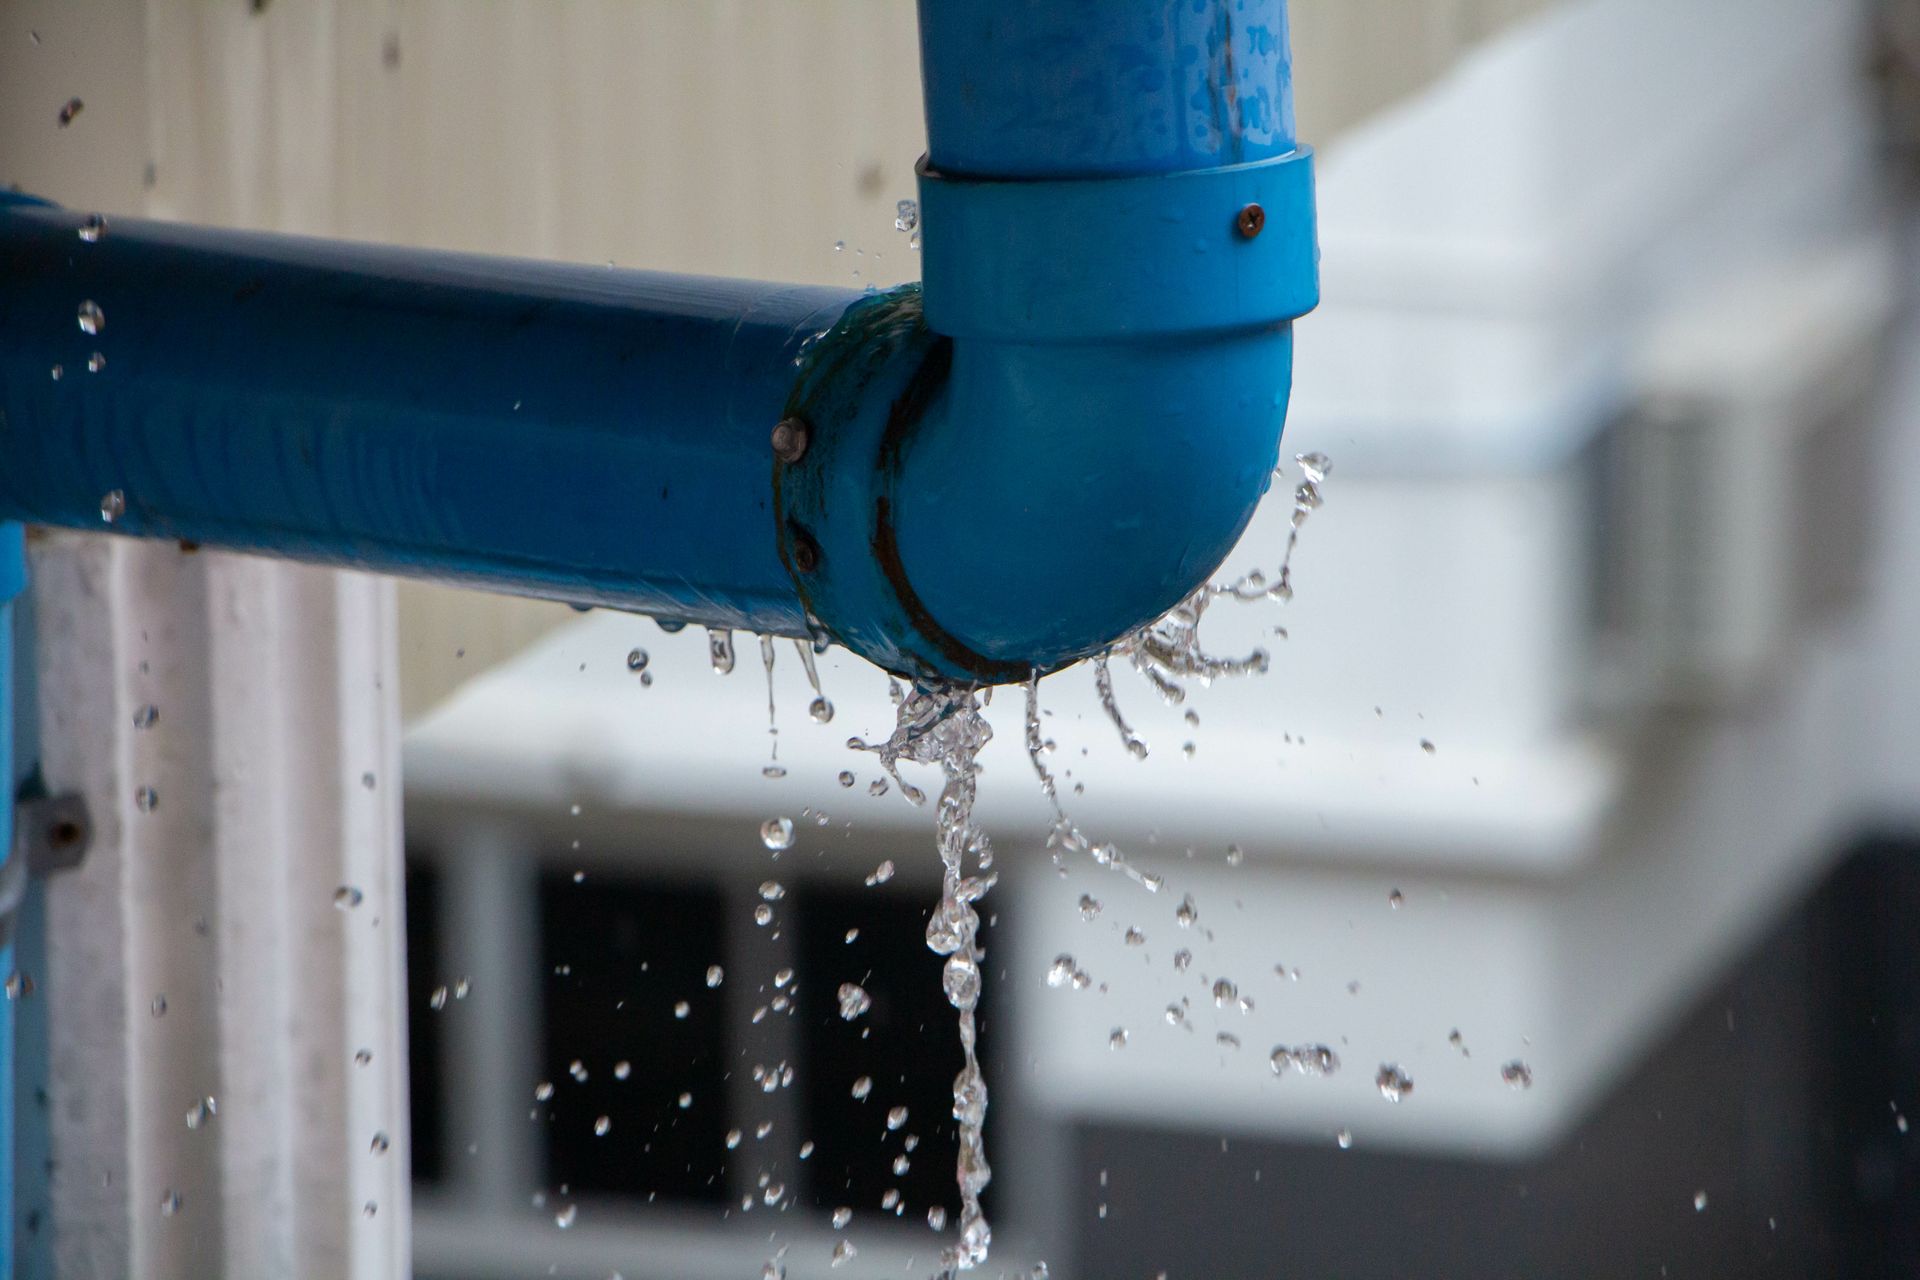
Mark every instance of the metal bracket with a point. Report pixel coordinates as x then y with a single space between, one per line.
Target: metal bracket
50 833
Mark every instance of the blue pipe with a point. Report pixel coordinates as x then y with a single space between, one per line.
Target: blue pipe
573 432
13 580
1053 445
1079 418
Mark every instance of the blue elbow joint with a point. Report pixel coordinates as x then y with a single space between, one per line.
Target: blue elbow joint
1064 431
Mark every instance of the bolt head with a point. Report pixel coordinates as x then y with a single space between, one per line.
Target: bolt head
1250 221
806 552
790 439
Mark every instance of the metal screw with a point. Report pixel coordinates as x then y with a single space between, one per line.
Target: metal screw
1250 220
806 552
790 439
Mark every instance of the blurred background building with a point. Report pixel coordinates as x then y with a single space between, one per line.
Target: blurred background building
1583 789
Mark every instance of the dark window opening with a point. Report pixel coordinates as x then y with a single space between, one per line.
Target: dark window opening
649 1118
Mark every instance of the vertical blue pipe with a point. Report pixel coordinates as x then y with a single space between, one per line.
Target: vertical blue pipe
13 579
1040 89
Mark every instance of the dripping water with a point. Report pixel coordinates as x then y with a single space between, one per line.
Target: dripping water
941 724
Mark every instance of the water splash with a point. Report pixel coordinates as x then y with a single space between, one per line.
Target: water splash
1064 837
942 724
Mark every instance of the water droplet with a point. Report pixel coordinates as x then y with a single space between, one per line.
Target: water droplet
1396 900
906 215
821 710
937 1218
543 1092
680 1010
1185 913
361 1057
854 1000
578 1070
1182 960
1060 973
91 318
1304 1059
1089 906
782 978
1426 745
438 1000
846 777
720 650
71 108
368 781
715 975
839 246
169 1200
203 1110
763 915
158 1007
1117 1038
772 890
806 1149
1135 938
566 1216
1699 1202
1344 1139
896 1118
1235 856
878 787
881 874
841 1217
1227 1040
96 362
92 228
145 717
346 897
1224 993
370 1208
146 799
1315 466
844 1252
380 1144
603 1125
777 833
961 981
59 371
1517 1074
862 1087
636 660
1392 1082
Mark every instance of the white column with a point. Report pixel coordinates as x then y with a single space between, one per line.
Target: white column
273 762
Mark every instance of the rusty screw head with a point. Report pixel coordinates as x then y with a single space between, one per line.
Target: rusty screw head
790 439
806 552
1249 221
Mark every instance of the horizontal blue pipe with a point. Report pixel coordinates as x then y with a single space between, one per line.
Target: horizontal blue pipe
579 433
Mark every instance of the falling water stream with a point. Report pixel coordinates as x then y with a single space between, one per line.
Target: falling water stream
943 724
